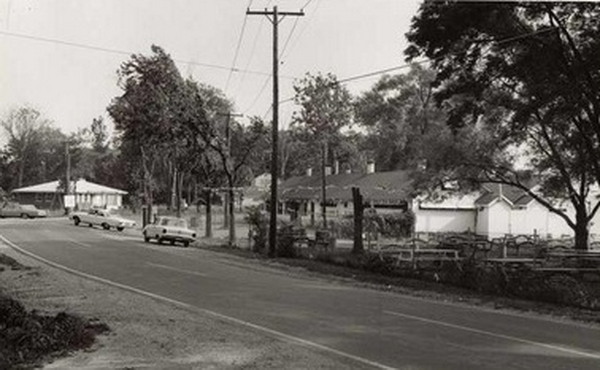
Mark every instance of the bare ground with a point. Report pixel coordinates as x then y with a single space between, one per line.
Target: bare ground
146 333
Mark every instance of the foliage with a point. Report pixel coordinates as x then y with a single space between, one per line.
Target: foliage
34 151
390 225
400 115
259 225
517 80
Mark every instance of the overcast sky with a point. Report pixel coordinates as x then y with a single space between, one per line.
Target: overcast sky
71 85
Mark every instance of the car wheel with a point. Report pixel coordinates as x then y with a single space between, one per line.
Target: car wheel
24 215
186 243
119 228
158 239
106 226
146 238
172 242
76 221
90 224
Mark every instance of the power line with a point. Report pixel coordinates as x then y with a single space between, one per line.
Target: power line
285 44
407 65
254 43
237 48
129 53
262 90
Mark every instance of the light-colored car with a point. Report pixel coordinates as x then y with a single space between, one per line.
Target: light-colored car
170 229
10 209
101 217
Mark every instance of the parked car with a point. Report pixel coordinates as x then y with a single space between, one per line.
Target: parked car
170 229
10 209
101 217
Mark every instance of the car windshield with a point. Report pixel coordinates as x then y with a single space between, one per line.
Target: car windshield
28 207
175 222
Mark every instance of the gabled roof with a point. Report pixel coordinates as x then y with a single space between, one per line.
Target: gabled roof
385 187
80 186
513 195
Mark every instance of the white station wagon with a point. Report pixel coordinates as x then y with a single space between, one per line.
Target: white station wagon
170 229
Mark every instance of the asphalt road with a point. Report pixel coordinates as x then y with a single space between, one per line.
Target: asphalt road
373 328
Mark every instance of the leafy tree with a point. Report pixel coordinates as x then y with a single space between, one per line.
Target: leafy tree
325 108
518 78
236 154
35 151
152 117
399 114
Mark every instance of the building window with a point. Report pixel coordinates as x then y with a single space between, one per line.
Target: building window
49 197
39 197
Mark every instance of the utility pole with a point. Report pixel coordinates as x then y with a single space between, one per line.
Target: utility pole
68 174
228 217
275 14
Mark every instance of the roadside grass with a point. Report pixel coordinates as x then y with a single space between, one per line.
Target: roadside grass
29 338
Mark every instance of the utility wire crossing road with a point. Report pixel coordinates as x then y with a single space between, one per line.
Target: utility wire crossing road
373 328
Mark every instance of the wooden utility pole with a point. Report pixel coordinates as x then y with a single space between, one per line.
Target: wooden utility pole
68 174
275 14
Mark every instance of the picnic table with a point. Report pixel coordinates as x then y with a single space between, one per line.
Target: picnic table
412 254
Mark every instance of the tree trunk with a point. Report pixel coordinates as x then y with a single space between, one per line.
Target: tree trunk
324 185
231 211
208 228
178 190
582 231
357 201
225 209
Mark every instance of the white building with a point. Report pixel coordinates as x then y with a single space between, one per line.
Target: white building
87 195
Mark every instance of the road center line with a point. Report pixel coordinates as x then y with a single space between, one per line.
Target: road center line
496 335
176 269
274 333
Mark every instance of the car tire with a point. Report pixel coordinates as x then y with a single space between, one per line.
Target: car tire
76 221
159 240
120 228
146 238
24 215
105 226
90 224
186 244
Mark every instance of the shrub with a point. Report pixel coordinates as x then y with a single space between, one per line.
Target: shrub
259 227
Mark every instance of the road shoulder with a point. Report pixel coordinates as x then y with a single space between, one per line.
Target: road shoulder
148 333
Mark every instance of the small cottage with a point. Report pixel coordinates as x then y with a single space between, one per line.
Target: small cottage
86 194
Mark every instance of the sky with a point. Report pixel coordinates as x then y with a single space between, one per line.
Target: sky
61 56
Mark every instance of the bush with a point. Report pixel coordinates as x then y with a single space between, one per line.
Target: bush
390 225
259 227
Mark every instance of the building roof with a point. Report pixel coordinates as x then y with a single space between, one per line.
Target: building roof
383 187
80 186
512 194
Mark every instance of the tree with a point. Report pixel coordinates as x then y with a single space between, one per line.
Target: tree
235 154
518 78
325 108
399 112
35 148
153 117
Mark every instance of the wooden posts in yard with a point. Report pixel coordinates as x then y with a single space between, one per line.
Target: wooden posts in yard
357 201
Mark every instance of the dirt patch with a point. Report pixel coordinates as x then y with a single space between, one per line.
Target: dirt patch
28 338
146 333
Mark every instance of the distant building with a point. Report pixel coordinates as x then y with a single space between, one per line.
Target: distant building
383 191
87 195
